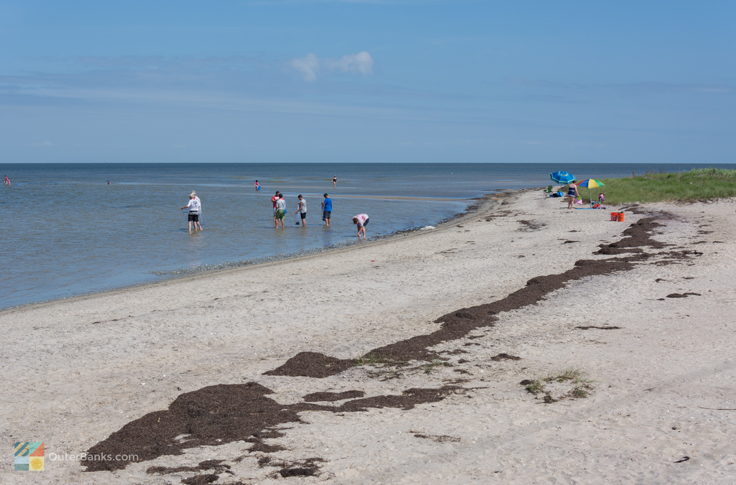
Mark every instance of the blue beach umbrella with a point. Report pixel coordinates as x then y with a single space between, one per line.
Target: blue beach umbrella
562 177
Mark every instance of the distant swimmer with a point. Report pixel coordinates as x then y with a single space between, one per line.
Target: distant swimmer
361 220
326 210
334 181
195 208
6 180
258 185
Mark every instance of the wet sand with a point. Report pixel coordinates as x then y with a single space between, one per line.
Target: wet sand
522 342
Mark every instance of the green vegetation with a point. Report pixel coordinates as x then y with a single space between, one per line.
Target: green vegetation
430 367
579 392
568 375
374 359
575 386
534 387
385 368
698 184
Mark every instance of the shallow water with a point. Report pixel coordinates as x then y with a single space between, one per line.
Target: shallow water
67 232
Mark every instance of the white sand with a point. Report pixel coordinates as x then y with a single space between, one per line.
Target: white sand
664 385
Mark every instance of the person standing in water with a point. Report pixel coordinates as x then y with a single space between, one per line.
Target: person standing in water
6 180
326 210
280 211
334 180
257 186
361 220
274 199
301 209
195 207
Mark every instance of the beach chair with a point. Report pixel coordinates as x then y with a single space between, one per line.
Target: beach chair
548 190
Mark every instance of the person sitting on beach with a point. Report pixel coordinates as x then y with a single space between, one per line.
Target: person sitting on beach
195 207
361 220
326 210
301 209
601 198
280 211
572 194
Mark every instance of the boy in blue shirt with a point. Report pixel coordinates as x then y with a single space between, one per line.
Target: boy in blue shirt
326 210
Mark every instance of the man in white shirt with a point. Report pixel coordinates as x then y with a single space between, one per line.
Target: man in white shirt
302 210
195 208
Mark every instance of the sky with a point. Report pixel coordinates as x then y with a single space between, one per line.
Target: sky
247 81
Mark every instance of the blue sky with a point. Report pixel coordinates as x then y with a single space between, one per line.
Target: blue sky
367 81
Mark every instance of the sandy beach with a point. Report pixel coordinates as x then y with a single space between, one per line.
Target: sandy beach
520 343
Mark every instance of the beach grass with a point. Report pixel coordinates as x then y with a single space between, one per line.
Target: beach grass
698 184
375 359
575 385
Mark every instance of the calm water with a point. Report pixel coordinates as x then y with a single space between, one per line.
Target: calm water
66 232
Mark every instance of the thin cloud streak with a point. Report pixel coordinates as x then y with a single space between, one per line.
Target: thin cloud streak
198 100
350 2
193 99
310 65
634 87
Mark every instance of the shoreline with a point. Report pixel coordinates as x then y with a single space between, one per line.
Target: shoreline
557 368
474 205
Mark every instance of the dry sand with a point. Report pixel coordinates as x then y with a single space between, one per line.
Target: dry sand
635 369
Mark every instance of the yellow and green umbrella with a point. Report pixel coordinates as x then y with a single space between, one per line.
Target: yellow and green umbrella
591 184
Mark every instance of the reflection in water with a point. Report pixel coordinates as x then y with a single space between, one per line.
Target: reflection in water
195 247
328 236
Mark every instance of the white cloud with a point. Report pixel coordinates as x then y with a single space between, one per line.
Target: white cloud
310 65
362 63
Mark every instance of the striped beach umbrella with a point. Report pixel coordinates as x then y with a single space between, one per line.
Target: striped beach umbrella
591 184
